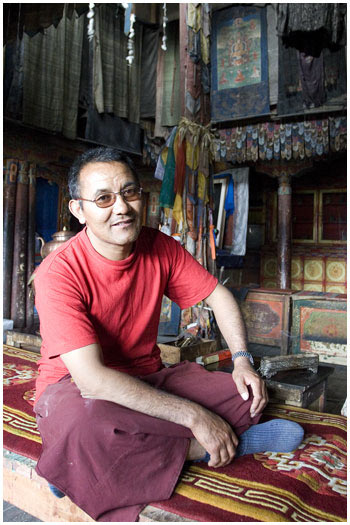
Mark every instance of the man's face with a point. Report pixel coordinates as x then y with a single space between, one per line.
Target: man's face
112 231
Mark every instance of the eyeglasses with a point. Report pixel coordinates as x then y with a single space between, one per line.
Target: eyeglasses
132 193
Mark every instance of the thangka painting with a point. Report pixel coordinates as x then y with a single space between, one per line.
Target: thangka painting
239 86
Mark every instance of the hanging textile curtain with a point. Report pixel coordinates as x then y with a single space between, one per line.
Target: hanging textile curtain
240 214
331 18
52 65
171 88
13 79
19 241
167 194
159 130
149 72
116 86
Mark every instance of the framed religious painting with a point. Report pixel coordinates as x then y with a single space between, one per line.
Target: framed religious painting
239 83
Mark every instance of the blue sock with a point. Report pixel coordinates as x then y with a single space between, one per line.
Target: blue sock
57 492
277 435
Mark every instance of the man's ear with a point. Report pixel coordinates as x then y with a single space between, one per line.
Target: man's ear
76 210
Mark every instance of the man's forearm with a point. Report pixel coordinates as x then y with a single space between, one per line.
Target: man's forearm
231 324
228 318
133 393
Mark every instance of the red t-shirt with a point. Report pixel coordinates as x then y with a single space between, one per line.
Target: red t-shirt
84 298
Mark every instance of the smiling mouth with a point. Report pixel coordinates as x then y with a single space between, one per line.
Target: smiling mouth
123 224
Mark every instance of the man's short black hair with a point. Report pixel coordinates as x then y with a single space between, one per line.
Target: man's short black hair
101 154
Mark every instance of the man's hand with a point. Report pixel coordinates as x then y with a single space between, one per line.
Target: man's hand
245 375
216 437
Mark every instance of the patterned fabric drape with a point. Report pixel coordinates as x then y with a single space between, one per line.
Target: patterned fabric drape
51 69
19 241
275 141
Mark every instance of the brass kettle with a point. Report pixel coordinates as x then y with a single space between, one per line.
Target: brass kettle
58 239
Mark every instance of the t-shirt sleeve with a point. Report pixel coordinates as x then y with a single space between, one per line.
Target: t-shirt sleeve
64 321
188 281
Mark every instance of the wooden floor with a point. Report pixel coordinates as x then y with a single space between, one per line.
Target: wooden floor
336 394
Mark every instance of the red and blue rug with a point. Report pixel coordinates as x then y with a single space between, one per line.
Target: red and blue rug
308 484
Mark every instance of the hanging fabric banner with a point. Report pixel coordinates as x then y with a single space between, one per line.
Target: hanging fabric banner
240 85
328 74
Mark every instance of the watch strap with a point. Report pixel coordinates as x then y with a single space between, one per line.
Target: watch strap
243 354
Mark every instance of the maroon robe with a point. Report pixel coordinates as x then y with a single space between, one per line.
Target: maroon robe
112 461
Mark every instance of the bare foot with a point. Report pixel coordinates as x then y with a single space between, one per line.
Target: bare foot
196 451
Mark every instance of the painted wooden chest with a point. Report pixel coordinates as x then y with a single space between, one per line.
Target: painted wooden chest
319 325
266 314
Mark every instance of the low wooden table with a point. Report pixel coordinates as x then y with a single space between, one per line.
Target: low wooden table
300 388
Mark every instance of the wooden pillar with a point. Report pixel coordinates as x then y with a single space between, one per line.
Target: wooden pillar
19 269
30 247
9 210
284 255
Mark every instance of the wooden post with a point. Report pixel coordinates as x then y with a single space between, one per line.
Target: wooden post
284 232
30 247
10 181
19 269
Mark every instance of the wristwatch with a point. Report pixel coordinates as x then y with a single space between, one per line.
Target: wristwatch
243 354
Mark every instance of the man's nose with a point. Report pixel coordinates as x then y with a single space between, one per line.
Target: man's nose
120 206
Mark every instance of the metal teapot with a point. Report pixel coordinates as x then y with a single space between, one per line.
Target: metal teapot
58 239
